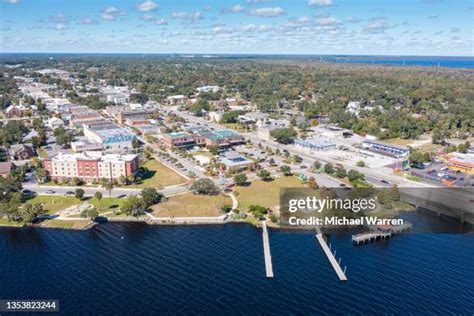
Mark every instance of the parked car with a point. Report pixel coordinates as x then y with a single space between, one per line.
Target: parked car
69 193
384 181
50 192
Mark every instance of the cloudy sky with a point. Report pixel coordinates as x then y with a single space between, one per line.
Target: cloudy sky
397 27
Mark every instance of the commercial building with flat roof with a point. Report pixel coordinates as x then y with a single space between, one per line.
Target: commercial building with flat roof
461 162
201 136
178 140
235 162
315 144
112 137
386 149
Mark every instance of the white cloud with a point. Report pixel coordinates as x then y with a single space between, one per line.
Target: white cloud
188 16
329 21
161 22
148 17
58 18
87 20
303 20
60 26
376 26
147 6
12 1
237 8
256 28
110 13
320 3
256 1
352 19
268 12
222 30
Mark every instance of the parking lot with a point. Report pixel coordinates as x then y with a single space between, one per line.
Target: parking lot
439 173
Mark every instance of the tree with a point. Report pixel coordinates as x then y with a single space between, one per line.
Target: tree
395 193
98 197
41 175
204 186
214 150
271 162
316 165
135 143
439 136
264 175
354 175
79 194
283 135
134 206
109 186
230 117
341 172
312 184
360 163
151 196
36 163
286 170
297 159
63 137
240 179
36 141
90 213
30 211
328 168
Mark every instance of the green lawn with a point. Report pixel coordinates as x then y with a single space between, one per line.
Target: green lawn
107 204
263 193
53 203
189 204
159 176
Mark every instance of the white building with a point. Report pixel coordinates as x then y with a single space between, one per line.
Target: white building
54 123
208 89
353 107
176 99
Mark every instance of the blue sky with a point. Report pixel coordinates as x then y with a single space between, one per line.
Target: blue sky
381 27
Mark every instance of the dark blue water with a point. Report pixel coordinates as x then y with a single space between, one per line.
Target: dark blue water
424 61
220 269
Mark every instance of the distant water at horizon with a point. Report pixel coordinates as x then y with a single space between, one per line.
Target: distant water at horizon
117 269
424 61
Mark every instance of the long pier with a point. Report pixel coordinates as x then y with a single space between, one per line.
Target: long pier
337 268
266 251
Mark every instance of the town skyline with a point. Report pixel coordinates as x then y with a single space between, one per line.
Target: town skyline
325 27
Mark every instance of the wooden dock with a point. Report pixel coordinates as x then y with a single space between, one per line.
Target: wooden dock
376 233
266 251
337 268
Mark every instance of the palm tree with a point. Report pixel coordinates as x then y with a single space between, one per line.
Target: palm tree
109 187
98 196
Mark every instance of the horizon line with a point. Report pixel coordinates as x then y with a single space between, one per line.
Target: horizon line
237 54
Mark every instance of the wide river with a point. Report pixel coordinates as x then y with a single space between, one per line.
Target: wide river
135 268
